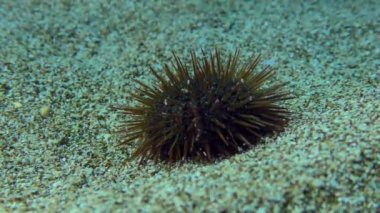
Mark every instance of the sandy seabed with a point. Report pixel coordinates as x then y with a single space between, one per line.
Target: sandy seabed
63 63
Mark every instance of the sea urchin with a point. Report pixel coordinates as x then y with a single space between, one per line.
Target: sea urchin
210 109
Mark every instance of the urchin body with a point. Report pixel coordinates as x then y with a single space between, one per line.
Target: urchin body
211 109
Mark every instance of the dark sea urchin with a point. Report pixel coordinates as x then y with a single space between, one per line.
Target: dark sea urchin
211 109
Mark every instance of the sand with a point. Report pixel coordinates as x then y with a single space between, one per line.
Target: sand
63 63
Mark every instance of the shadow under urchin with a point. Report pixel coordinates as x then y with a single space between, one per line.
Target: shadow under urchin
212 108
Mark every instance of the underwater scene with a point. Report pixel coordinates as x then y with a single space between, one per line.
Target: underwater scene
189 106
